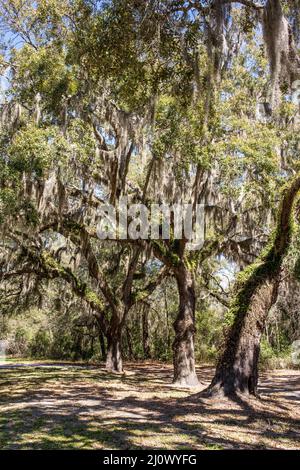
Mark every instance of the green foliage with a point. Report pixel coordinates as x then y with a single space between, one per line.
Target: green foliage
272 357
40 344
180 129
83 142
43 71
51 334
32 150
20 345
8 203
210 334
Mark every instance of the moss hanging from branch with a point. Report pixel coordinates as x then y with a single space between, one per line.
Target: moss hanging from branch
283 57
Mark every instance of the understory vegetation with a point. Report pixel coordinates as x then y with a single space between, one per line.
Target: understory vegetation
52 334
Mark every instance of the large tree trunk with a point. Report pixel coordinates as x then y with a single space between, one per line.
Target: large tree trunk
114 361
237 369
184 325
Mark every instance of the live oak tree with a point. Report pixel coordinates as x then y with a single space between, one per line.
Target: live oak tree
181 82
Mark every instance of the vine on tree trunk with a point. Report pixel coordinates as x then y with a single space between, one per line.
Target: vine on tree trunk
256 292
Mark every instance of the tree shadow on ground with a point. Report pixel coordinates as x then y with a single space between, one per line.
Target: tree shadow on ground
87 408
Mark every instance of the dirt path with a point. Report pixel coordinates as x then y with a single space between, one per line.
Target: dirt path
60 405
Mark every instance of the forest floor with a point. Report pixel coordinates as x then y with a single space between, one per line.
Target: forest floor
48 405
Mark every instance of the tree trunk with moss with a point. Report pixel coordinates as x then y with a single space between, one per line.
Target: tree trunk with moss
256 292
184 325
237 370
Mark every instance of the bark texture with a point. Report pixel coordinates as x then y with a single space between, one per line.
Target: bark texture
114 362
184 326
237 370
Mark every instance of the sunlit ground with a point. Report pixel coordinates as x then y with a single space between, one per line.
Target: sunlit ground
47 405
